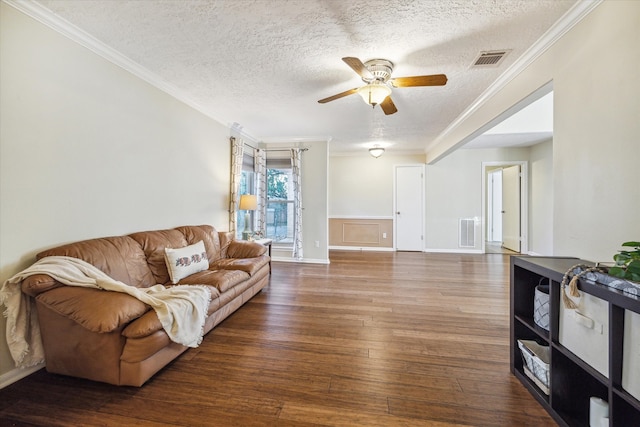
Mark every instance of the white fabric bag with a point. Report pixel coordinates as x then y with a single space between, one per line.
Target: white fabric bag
585 330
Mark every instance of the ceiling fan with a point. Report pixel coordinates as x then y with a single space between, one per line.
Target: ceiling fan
376 73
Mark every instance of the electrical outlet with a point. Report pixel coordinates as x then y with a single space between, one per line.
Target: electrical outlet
317 243
384 235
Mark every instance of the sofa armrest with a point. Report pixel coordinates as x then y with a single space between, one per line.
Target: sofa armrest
245 249
95 309
39 283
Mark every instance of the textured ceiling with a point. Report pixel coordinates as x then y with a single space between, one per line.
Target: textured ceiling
264 64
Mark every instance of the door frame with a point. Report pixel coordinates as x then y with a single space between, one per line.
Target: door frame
422 202
492 197
524 202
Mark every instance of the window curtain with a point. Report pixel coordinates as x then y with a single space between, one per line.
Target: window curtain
297 197
260 174
237 154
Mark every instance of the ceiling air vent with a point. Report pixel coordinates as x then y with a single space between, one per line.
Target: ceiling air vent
490 58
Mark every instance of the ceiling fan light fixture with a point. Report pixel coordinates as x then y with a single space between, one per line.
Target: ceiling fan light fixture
374 93
376 151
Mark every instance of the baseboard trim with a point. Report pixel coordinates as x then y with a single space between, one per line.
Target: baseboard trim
359 217
17 374
302 261
454 251
361 248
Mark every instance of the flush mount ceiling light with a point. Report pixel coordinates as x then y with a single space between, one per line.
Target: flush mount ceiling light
374 93
376 151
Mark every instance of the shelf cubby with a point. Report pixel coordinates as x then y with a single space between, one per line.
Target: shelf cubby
571 388
572 381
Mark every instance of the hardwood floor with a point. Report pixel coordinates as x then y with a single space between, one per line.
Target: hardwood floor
496 248
373 339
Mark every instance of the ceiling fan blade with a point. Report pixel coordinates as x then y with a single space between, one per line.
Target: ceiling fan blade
338 96
357 66
432 80
388 106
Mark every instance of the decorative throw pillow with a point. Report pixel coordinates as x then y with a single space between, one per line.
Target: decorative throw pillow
186 261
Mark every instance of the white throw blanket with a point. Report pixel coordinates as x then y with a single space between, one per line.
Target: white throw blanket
182 310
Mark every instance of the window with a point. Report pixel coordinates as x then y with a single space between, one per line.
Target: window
279 215
279 220
247 186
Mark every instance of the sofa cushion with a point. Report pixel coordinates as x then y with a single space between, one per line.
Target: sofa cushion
153 244
226 237
95 309
223 280
186 261
206 233
248 265
121 258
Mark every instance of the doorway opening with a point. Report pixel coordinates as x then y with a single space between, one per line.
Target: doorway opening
504 207
526 123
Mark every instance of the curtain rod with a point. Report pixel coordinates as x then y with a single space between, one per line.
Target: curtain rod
273 149
280 149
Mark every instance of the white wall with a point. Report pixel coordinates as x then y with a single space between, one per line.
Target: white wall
541 199
594 69
597 134
315 200
88 150
454 191
362 186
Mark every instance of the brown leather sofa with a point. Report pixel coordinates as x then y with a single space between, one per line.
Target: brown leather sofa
113 337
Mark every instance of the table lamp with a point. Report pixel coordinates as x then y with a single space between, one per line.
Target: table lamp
248 202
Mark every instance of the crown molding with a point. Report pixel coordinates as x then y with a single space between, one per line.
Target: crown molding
572 17
45 16
238 130
292 140
365 153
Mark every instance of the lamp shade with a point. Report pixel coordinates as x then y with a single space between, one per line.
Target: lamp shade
374 93
376 151
248 202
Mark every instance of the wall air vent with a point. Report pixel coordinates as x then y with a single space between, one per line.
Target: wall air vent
489 58
467 233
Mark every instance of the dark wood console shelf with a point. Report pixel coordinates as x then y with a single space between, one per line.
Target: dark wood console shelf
572 381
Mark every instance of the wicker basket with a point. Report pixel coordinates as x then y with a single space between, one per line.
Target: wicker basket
536 363
541 306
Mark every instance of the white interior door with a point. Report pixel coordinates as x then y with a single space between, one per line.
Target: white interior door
494 223
511 208
409 207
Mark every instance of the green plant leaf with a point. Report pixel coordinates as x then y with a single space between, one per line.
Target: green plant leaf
634 267
627 261
621 258
617 272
